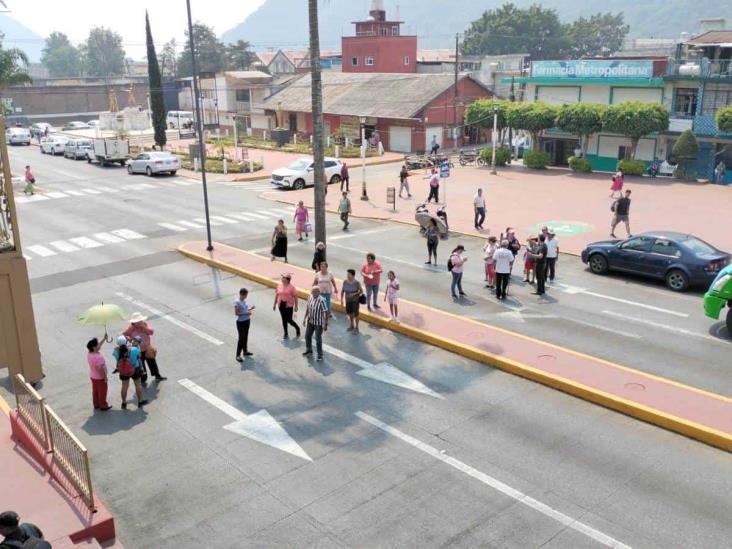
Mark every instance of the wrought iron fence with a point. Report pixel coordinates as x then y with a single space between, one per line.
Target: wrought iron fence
32 411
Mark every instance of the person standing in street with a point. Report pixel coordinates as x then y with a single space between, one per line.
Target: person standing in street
243 313
479 210
326 282
279 241
504 259
17 535
351 290
621 209
513 243
286 299
345 179
489 251
315 322
391 295
97 374
371 274
148 353
29 181
539 255
617 186
552 255
129 366
434 146
404 181
434 178
318 256
433 239
344 208
301 219
456 263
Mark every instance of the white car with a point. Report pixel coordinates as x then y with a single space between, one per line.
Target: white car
77 148
39 129
299 174
18 136
76 126
154 162
53 144
94 123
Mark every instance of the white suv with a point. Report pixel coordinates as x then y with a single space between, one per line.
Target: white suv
299 174
53 144
18 136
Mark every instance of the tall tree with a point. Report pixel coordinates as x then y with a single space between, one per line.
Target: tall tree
102 53
13 66
157 103
317 109
724 119
239 56
533 118
635 120
210 52
60 56
602 34
168 59
583 119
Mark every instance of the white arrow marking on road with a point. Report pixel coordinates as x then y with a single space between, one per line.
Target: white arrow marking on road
384 372
577 290
260 426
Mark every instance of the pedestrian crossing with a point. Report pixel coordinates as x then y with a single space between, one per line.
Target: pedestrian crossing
231 218
78 243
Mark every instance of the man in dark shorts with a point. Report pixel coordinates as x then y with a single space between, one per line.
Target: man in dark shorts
621 208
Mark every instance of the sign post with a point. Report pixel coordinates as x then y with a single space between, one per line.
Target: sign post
445 174
391 197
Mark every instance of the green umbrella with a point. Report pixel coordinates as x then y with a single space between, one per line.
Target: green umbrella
101 315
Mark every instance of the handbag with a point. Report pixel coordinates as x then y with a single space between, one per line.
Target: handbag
362 299
151 352
308 228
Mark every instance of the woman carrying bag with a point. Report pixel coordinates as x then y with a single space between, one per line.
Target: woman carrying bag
148 353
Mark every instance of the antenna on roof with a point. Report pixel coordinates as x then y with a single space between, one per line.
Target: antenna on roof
397 13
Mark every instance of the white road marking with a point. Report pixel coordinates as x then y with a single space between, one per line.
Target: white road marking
27 257
166 184
90 191
682 331
224 219
146 186
190 224
183 325
260 426
56 194
107 189
41 251
520 316
172 227
31 198
256 215
108 238
64 246
381 256
383 372
184 182
600 327
351 235
127 234
213 223
496 484
73 192
85 242
577 290
240 216
270 213
68 174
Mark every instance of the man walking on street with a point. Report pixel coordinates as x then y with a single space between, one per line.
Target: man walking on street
344 208
479 208
315 322
552 255
434 186
504 258
243 313
540 257
344 176
621 208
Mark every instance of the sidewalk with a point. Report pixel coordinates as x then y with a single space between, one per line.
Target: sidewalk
576 207
674 406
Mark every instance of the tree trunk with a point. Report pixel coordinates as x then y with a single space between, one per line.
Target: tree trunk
317 108
535 141
584 143
633 147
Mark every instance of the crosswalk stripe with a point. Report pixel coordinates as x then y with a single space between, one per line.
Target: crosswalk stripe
108 189
41 250
172 227
166 184
212 222
240 216
190 224
224 219
85 242
63 246
31 198
146 186
74 193
27 257
127 234
256 216
108 238
270 213
56 194
184 183
90 191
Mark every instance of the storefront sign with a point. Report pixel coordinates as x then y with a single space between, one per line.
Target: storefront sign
592 68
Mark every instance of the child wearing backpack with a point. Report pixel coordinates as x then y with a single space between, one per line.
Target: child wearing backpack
129 367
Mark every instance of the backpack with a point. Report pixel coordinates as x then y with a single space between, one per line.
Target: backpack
125 367
449 264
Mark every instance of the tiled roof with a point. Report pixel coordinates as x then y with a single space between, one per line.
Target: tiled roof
712 37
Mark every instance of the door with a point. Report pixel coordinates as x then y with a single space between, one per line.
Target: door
662 255
631 255
139 163
293 122
432 131
400 139
309 175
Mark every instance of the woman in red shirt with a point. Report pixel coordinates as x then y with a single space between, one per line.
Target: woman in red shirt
286 298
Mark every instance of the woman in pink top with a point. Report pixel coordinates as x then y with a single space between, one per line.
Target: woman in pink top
148 354
617 186
97 374
457 260
301 218
371 273
286 298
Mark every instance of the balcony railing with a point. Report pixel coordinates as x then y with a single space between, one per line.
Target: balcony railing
699 68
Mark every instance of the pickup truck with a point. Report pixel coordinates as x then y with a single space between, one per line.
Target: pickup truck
109 151
719 295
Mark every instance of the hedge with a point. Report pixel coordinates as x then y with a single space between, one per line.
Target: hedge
536 160
502 156
580 164
632 167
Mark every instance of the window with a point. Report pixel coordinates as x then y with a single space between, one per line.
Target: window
639 244
395 30
329 164
368 60
665 247
406 60
698 246
685 101
624 152
354 61
242 95
716 96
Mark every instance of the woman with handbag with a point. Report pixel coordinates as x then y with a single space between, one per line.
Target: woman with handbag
148 354
353 292
286 300
29 181
302 220
279 241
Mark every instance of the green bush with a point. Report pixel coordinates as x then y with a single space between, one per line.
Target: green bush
580 164
502 156
216 165
536 160
632 167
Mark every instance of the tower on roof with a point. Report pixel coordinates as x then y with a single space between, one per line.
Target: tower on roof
378 13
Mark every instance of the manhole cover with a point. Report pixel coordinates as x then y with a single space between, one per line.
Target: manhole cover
635 386
547 357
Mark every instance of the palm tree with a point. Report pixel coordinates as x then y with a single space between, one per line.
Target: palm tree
317 108
13 68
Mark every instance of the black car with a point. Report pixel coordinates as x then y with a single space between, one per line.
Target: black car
682 260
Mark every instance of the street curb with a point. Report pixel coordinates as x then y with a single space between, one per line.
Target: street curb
650 415
4 406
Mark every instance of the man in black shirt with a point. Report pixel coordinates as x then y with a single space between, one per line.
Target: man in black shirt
621 208
540 258
17 535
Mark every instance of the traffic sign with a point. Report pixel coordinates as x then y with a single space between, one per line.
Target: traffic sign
445 169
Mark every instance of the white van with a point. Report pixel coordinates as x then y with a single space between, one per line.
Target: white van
179 119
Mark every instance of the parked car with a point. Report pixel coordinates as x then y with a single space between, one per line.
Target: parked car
681 260
299 174
109 150
77 148
39 129
77 125
179 119
719 295
151 163
94 123
53 144
18 136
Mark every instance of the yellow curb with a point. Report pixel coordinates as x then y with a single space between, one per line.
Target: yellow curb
4 406
694 430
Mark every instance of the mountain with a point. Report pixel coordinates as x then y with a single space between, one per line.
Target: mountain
284 23
19 36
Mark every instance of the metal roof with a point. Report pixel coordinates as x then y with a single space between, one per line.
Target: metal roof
712 38
378 95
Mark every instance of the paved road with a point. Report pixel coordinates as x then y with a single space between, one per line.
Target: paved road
389 465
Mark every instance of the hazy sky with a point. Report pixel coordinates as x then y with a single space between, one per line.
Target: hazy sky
168 18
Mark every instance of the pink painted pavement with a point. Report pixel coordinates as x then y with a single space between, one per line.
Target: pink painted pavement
523 199
630 391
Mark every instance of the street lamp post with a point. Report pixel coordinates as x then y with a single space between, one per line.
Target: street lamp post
364 194
494 140
199 125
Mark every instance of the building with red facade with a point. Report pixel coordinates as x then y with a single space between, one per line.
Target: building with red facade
379 45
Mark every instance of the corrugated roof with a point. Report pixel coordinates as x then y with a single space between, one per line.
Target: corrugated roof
711 38
378 95
436 56
248 75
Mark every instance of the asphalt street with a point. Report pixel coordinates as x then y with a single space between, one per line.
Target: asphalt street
388 442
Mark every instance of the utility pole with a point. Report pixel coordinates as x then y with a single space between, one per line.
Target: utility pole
457 93
494 139
316 91
512 98
199 124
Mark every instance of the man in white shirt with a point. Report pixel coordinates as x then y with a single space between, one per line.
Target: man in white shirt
479 209
552 254
504 258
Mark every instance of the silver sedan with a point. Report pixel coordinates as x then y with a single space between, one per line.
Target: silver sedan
153 162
